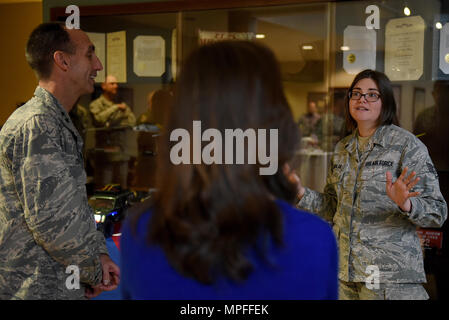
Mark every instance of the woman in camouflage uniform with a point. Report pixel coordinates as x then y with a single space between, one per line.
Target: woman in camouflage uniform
371 201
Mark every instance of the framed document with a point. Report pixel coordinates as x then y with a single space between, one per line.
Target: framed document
116 55
404 48
149 56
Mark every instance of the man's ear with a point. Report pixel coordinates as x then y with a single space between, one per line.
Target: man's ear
61 60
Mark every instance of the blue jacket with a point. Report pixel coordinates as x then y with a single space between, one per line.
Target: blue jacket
305 268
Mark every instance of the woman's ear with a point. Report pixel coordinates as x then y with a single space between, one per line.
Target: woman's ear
60 59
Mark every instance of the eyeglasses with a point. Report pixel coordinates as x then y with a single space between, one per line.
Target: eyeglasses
369 96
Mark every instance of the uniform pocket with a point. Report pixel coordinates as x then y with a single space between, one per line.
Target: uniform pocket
374 173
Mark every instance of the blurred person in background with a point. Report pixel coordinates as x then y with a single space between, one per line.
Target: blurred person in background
308 122
331 126
149 125
117 118
158 103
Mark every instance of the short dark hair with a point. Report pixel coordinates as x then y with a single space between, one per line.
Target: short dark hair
205 216
441 87
388 111
42 44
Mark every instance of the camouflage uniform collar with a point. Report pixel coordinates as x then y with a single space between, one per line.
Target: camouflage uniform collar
50 101
379 137
351 142
53 104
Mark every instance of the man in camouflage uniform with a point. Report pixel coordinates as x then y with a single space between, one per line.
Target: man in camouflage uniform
308 122
81 119
119 142
373 233
46 224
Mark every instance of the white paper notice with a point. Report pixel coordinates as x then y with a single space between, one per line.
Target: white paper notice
404 48
116 55
99 41
149 56
360 53
444 48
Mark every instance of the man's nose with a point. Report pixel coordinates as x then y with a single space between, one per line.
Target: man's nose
98 65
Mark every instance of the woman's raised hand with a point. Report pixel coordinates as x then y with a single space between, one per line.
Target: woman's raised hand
399 191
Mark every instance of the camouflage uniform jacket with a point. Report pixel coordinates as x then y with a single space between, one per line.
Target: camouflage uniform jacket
107 114
46 223
370 228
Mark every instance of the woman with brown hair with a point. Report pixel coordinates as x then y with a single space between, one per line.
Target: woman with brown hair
224 231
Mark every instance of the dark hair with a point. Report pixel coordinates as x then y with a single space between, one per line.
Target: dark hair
42 44
206 217
441 89
388 111
161 102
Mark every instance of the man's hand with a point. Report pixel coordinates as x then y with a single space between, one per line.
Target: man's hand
91 292
110 280
399 190
122 106
111 273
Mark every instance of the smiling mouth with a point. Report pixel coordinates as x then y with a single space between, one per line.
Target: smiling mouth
361 109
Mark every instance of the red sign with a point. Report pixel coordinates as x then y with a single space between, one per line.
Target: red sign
430 238
117 234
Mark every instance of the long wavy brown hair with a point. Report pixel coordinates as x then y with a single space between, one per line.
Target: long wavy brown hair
207 217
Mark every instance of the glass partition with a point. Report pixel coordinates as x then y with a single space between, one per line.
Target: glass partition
320 47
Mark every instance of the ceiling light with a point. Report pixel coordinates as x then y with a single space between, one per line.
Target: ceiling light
407 11
438 25
307 47
344 48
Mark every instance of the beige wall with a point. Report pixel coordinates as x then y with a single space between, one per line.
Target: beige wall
17 82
